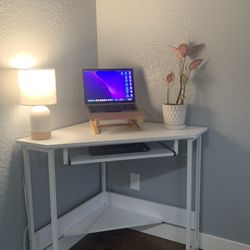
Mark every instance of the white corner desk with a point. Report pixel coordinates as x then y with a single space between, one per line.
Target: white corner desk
107 210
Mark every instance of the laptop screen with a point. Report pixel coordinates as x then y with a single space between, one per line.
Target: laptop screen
108 86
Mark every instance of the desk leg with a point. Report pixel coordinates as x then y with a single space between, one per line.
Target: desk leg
104 181
189 193
197 193
29 199
53 203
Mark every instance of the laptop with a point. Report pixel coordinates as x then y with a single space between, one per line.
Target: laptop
109 90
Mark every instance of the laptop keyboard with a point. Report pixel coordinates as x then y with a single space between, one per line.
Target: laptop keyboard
112 108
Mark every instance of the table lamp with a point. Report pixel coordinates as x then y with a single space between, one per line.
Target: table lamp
38 88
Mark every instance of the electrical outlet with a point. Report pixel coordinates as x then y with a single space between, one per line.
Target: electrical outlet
135 181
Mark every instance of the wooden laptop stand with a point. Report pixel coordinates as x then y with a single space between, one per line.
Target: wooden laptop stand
133 118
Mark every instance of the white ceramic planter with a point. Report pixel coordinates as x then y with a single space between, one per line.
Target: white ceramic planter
174 116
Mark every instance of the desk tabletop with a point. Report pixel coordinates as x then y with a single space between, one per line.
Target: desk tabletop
82 135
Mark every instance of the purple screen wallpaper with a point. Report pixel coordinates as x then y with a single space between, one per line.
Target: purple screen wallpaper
108 85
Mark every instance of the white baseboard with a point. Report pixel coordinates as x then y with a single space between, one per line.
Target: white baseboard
177 234
209 242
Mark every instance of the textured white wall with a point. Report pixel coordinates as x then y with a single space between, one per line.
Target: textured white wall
137 33
60 34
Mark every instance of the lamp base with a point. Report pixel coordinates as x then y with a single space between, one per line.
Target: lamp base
40 135
40 123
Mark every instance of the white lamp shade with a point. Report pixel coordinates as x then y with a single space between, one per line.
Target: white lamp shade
37 86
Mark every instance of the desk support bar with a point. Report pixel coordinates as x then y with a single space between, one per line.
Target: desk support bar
53 202
189 192
65 157
197 193
28 195
104 181
176 147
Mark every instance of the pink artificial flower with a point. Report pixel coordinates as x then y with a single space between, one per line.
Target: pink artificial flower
170 77
195 64
181 51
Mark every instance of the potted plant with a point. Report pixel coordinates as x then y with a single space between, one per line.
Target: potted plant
174 113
